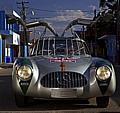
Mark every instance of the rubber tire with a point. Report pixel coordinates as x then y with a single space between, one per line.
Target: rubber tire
102 102
21 101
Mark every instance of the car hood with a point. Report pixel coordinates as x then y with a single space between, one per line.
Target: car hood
79 65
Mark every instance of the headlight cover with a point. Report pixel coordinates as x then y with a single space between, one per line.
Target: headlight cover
103 73
24 72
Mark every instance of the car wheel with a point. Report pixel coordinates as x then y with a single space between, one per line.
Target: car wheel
21 101
102 102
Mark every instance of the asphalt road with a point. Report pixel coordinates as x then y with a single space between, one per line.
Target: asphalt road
7 103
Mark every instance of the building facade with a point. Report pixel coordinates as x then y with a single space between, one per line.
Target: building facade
9 39
102 35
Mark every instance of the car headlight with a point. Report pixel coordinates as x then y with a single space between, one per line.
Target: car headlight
24 72
103 73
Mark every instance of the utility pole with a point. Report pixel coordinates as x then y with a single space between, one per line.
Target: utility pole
23 15
23 9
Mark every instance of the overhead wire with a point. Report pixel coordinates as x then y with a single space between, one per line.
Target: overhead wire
53 11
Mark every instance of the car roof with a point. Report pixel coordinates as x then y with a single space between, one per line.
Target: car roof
61 38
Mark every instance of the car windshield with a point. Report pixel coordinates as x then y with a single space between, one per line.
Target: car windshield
59 47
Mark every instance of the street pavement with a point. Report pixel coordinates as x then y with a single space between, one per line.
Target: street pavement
7 102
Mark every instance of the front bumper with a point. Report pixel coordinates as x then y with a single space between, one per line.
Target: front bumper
89 91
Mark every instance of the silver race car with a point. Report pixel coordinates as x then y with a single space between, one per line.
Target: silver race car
61 67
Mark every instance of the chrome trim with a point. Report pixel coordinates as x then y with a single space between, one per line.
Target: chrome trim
63 80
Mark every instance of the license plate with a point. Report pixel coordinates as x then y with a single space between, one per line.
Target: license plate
64 93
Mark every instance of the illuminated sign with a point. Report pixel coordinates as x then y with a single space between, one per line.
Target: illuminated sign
7 51
16 39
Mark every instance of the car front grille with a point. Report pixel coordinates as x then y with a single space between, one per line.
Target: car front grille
63 80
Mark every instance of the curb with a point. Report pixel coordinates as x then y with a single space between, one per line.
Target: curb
10 65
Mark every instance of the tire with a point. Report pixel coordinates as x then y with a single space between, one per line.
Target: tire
21 101
102 102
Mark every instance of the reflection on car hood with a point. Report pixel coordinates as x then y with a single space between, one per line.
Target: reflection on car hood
79 65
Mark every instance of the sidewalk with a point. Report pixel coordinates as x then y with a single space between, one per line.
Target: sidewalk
6 69
8 65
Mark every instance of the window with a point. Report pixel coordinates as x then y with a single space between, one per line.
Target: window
45 47
40 45
59 47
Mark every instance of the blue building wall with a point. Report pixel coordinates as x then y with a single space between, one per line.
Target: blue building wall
0 49
6 30
16 27
2 20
